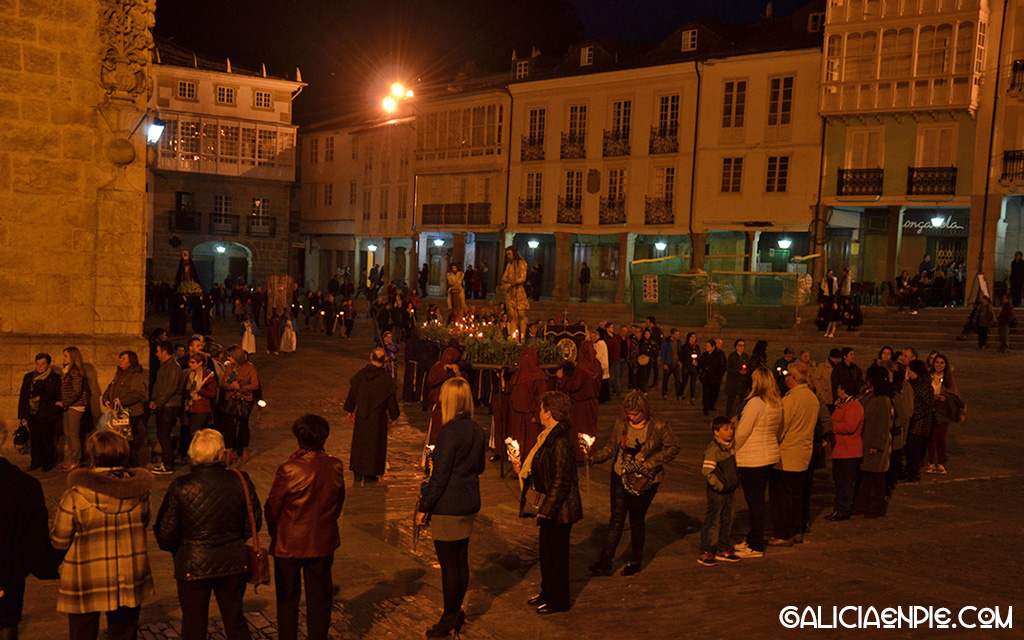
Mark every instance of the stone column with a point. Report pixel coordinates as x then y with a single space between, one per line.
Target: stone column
386 266
982 244
620 290
894 230
751 250
414 260
459 248
818 229
563 268
697 251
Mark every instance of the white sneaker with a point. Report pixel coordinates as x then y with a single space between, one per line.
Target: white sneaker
743 551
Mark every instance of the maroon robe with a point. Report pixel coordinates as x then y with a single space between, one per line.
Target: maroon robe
583 386
438 376
274 334
528 384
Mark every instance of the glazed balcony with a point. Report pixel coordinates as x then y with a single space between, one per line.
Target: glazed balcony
860 182
570 210
931 181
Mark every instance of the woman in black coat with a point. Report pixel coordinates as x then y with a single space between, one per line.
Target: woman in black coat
551 493
451 498
204 522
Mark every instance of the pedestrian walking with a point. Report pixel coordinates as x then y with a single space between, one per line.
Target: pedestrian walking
984 318
372 404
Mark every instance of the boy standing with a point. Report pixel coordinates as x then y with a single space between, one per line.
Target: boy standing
722 480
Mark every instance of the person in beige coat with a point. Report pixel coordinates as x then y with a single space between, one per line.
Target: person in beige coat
800 407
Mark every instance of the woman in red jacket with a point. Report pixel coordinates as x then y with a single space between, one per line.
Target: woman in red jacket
847 430
200 394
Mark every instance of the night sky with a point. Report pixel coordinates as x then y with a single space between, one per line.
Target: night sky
350 51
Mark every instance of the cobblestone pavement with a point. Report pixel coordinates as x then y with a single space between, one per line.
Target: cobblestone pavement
950 541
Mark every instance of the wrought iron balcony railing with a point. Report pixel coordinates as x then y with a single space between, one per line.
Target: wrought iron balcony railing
1013 166
931 181
433 214
570 210
573 146
658 211
615 143
529 211
860 182
533 149
664 140
478 213
612 210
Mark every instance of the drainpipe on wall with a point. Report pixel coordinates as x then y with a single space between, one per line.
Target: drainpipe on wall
693 165
508 175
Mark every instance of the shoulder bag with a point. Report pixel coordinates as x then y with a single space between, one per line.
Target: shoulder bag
120 422
259 564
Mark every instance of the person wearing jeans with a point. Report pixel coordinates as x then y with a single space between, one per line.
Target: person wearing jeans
74 400
847 430
757 451
302 513
719 470
670 351
165 400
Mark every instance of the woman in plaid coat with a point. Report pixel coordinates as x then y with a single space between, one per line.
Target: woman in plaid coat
102 521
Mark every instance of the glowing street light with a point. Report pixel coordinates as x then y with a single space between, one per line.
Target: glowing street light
389 104
438 242
938 221
371 248
221 248
660 246
785 243
397 90
533 244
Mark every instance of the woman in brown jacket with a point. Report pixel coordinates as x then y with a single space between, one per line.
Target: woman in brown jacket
74 398
240 379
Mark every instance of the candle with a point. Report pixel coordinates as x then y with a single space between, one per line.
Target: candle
512 448
586 442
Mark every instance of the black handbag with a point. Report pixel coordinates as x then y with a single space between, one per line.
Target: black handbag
21 436
238 406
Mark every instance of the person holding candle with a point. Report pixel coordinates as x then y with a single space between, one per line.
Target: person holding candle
549 475
735 375
641 445
583 384
689 352
528 383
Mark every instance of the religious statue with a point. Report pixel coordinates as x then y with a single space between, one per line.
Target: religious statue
186 280
513 282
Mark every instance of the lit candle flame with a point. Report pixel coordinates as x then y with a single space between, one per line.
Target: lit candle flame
586 441
512 447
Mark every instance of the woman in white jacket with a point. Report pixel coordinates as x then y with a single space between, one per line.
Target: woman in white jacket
757 451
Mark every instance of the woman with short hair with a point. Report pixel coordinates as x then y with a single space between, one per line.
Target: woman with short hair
240 381
204 522
641 445
757 451
548 476
451 498
101 522
130 390
876 439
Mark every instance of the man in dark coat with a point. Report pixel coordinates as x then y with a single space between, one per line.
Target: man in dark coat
37 407
584 282
371 404
24 540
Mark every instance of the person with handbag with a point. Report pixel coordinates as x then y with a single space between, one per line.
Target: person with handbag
451 498
39 409
130 389
302 513
641 445
101 521
204 520
240 381
551 495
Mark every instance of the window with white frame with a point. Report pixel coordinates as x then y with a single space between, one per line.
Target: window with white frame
865 148
385 195
816 22
261 207
460 191
979 52
225 95
668 114
367 202
522 69
403 159
834 58
534 188
403 203
780 100
897 53
536 126
263 100
186 90
266 147
734 103
732 174
586 56
328 194
578 122
353 192
689 41
221 204
574 188
367 163
483 190
385 163
314 150
934 50
861 56
665 183
329 149
622 111
616 185
778 174
936 145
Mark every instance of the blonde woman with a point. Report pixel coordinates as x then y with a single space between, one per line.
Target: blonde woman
757 451
451 499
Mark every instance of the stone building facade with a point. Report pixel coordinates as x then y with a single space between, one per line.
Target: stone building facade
74 82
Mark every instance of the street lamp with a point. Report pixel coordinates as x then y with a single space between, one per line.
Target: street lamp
389 104
533 244
938 221
785 243
371 248
155 130
660 246
221 248
438 242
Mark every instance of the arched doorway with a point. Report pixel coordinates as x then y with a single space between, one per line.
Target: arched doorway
215 261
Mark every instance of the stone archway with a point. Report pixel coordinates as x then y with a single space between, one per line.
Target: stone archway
215 261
